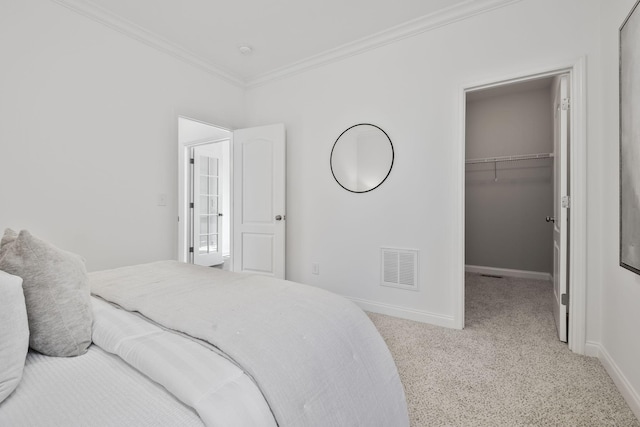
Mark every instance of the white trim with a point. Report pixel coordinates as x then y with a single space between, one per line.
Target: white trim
631 396
458 259
592 349
440 18
410 28
495 271
578 160
403 312
578 212
116 22
204 141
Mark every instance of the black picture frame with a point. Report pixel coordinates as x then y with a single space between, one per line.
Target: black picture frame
629 86
378 184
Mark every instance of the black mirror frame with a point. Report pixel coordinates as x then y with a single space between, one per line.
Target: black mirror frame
390 166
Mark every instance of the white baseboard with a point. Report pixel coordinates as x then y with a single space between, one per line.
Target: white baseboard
522 274
592 349
631 395
405 313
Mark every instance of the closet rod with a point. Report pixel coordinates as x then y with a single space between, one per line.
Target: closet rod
510 158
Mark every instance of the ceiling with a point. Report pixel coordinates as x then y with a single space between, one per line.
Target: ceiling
283 34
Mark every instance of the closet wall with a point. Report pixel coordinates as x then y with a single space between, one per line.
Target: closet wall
507 202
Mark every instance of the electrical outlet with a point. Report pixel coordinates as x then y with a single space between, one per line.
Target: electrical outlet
315 268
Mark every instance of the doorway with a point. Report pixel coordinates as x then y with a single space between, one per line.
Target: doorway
575 262
245 181
206 197
511 163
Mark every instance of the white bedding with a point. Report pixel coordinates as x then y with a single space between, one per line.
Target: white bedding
135 374
221 393
316 357
96 389
200 346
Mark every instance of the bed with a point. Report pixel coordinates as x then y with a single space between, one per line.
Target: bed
177 344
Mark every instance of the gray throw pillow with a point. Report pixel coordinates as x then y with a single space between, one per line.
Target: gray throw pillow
56 293
14 333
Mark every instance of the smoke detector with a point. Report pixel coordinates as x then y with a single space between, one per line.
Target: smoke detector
245 50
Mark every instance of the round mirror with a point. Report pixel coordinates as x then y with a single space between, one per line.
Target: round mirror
361 158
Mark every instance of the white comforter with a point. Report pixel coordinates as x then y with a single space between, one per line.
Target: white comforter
316 357
217 389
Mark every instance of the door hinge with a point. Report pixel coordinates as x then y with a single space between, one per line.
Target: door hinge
191 205
564 299
192 161
565 104
191 250
566 202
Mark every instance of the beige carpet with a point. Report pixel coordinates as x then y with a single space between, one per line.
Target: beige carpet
506 368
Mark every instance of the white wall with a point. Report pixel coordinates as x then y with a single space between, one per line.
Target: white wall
88 135
621 288
505 218
413 90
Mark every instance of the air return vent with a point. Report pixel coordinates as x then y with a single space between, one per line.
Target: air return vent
399 268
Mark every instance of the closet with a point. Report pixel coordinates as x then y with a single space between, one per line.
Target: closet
509 180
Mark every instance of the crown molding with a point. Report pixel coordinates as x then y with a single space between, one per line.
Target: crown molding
128 28
411 28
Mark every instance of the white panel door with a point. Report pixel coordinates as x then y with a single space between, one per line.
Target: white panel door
207 209
560 204
259 200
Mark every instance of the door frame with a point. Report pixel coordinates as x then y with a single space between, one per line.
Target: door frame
184 226
577 189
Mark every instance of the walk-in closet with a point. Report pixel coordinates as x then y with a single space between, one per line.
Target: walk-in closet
509 180
509 195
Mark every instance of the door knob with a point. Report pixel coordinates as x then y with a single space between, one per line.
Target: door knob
278 217
550 219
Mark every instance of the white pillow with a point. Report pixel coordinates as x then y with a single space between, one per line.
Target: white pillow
14 333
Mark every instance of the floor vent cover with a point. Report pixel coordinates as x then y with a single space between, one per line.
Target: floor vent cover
399 268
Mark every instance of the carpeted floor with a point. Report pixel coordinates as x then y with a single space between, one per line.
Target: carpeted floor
506 368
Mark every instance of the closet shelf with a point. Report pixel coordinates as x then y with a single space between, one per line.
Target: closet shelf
510 158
